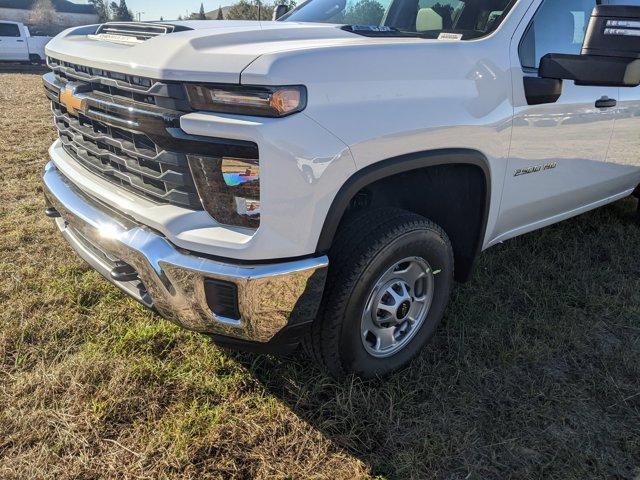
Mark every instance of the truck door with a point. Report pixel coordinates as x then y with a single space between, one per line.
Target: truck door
13 45
557 162
624 151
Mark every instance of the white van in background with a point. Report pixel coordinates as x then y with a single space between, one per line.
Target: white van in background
17 44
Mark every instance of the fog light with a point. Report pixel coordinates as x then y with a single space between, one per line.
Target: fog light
229 188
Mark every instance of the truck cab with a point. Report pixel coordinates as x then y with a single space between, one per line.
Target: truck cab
17 44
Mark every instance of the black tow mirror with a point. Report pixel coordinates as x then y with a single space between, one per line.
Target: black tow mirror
591 70
610 53
279 11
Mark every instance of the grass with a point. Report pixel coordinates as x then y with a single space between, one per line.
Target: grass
535 372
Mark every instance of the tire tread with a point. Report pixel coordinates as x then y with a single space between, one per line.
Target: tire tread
357 242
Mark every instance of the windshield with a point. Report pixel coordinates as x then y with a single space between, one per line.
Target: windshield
452 19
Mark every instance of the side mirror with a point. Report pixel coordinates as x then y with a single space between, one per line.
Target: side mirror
592 70
279 11
610 53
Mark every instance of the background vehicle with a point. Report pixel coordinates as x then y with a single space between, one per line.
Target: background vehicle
292 181
17 44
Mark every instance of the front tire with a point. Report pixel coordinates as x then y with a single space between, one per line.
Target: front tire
389 282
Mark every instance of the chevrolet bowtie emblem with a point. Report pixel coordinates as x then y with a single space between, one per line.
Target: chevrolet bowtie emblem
73 103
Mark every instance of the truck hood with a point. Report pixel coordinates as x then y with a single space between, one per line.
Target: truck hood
212 51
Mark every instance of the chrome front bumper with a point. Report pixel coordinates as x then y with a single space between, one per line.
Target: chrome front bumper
270 297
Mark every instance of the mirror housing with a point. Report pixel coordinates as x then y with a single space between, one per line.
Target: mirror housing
279 11
613 31
591 70
610 53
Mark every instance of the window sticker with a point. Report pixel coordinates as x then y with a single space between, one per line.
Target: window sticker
450 36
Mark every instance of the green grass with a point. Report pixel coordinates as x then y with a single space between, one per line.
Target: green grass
535 372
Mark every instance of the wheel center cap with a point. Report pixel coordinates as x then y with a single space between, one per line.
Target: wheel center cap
403 310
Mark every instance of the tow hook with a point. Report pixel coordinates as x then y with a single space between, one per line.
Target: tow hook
124 273
52 213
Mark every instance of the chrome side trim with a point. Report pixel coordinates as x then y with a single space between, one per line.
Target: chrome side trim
270 296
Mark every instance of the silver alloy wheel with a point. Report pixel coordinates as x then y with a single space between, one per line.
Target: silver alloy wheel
397 307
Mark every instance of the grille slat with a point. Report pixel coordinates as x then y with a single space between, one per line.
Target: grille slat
128 87
135 166
73 72
98 137
153 188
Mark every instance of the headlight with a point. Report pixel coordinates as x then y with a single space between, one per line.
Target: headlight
250 100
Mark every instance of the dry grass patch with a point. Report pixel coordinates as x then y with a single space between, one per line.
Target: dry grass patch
535 373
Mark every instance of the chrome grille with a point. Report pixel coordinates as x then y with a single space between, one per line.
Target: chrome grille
126 158
126 129
120 85
123 156
82 72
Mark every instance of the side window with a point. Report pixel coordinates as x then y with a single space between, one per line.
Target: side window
558 26
9 30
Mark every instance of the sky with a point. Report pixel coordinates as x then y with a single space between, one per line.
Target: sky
169 9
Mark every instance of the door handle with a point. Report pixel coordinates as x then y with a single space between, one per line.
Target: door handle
20 41
606 102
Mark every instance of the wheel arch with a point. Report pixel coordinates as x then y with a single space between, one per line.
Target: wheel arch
346 198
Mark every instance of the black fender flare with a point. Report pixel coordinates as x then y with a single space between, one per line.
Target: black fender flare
396 165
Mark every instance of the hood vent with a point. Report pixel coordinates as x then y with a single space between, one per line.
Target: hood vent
133 33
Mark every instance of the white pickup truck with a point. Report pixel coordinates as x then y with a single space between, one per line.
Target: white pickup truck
323 179
17 44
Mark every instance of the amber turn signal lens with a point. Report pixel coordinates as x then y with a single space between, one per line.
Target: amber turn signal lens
285 100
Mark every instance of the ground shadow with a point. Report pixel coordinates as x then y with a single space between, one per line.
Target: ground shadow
533 374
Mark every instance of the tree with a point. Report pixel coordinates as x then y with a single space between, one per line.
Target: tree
43 18
245 10
125 14
102 9
120 12
365 12
202 15
220 15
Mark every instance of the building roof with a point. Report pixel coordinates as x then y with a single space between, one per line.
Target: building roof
62 6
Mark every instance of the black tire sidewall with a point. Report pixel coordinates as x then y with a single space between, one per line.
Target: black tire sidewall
436 250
